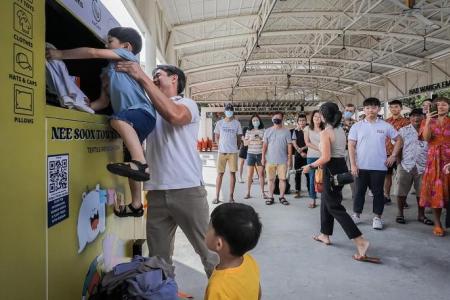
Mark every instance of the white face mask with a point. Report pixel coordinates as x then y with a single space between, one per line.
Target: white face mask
228 113
255 123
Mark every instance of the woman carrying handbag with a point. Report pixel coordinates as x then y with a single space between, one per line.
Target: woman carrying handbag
335 175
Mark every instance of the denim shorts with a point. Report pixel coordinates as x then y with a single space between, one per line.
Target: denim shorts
254 159
142 122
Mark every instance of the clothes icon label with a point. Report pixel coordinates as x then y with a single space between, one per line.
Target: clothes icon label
23 61
23 100
23 21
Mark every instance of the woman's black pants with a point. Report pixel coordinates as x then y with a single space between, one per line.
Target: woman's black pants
331 199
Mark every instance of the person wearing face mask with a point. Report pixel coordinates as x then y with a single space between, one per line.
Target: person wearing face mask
276 156
228 136
348 119
254 140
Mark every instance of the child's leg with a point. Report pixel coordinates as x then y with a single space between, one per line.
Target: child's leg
136 193
130 139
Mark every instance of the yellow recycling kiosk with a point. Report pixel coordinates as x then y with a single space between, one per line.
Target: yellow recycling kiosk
56 217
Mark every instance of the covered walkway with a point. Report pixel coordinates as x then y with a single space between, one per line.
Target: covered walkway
293 266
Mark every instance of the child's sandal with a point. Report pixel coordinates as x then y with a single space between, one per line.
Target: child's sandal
125 169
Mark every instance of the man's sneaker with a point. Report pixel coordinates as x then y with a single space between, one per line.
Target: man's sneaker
356 218
377 223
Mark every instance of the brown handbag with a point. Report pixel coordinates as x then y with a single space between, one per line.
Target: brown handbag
318 180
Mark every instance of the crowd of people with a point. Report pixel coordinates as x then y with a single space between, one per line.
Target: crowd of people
413 149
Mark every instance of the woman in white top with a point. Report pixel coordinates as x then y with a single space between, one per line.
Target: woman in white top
312 140
332 160
254 140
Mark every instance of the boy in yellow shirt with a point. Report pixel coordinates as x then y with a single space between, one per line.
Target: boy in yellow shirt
234 230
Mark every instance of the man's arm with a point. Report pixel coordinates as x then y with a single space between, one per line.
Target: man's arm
217 137
264 151
352 155
81 53
397 147
173 113
289 162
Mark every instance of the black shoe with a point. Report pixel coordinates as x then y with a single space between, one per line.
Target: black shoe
387 201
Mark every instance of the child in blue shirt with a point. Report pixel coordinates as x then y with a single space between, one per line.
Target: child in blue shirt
134 115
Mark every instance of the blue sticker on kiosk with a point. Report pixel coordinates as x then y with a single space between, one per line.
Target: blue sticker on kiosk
57 188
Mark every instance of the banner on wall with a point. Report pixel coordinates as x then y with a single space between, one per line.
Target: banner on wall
57 188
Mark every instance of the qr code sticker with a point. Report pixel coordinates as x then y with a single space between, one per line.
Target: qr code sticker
58 176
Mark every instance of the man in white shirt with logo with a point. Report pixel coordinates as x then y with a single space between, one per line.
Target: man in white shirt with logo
176 193
412 166
228 134
368 159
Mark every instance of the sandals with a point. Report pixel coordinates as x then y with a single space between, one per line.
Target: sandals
270 201
247 197
312 205
365 258
438 231
283 201
426 221
125 169
400 220
129 211
216 201
316 238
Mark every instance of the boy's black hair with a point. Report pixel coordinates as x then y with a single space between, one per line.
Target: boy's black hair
127 35
238 224
173 70
396 102
250 123
301 116
372 101
416 112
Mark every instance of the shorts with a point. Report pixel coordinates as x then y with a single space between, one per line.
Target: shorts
391 169
223 159
276 169
254 159
142 122
243 152
406 179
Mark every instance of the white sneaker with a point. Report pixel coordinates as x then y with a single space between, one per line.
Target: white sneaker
377 223
356 218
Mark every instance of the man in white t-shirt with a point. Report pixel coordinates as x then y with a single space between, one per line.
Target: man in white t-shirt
176 193
368 159
228 136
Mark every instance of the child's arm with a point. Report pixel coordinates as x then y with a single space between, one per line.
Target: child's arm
103 101
81 53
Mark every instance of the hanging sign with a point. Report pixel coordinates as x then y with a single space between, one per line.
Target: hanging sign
93 14
430 88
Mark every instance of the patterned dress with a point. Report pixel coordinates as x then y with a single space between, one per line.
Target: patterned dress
435 184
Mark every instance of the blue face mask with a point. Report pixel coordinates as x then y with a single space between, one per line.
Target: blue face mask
228 113
348 114
255 123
